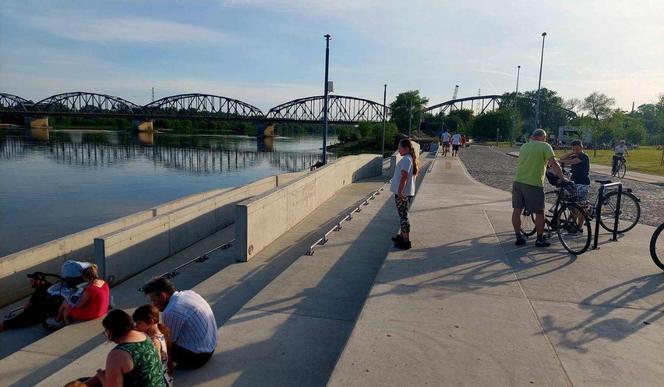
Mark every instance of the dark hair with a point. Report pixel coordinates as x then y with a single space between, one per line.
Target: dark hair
577 143
117 322
150 312
406 143
159 285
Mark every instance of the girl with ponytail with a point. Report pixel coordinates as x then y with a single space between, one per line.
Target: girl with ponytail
146 320
403 188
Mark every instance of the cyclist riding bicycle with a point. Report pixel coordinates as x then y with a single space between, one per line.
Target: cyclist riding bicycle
619 153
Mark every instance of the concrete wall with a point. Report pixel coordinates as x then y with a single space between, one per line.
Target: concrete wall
131 250
48 257
262 219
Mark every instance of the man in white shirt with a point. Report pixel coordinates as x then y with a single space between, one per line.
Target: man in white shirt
456 143
445 139
189 319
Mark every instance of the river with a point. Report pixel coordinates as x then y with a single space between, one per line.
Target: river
57 182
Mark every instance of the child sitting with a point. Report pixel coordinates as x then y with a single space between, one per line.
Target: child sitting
146 320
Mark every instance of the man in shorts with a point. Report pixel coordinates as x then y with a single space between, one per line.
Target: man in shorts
445 140
456 143
528 186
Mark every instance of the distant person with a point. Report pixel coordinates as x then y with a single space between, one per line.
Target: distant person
456 143
619 153
134 361
463 141
528 186
36 309
445 140
93 303
146 320
403 188
580 165
190 321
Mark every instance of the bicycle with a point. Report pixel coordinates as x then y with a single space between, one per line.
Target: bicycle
567 212
621 168
657 246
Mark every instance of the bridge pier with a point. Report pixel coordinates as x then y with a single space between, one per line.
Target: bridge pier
31 122
265 130
142 125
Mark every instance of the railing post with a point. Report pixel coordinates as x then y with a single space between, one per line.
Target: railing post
598 214
617 214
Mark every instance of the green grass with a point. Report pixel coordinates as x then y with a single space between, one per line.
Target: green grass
646 159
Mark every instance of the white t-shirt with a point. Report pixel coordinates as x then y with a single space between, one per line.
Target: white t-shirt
445 136
456 139
405 164
620 150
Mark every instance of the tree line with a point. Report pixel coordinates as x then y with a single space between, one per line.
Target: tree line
515 117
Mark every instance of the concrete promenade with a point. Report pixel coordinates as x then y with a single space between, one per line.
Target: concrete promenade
465 307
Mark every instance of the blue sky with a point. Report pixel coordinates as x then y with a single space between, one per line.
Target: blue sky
267 52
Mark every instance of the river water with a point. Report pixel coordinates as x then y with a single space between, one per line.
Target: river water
57 182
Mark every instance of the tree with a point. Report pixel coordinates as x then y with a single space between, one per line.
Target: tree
598 105
572 104
401 108
486 125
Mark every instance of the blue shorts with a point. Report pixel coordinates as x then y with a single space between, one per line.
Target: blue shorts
582 192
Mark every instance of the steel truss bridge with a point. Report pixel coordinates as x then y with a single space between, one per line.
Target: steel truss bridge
342 109
481 104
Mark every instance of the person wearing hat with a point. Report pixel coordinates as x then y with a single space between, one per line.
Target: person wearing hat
34 311
619 153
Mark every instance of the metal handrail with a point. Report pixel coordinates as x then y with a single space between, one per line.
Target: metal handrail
337 227
201 258
598 213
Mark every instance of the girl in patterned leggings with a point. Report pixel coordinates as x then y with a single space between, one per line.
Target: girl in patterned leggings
403 188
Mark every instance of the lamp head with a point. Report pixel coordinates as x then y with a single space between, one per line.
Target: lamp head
543 33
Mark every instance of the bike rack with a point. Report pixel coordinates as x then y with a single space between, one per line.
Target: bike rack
201 258
598 213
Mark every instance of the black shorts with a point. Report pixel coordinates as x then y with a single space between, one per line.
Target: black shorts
455 146
528 196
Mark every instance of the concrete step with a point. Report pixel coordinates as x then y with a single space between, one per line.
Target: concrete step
37 360
229 290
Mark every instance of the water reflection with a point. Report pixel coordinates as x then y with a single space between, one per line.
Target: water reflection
56 182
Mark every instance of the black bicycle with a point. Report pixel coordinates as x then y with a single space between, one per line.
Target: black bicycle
657 246
621 168
571 219
565 216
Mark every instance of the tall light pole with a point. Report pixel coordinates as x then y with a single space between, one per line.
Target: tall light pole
327 66
516 94
382 149
539 84
410 114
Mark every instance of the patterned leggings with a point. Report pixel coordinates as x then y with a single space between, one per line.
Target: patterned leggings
402 209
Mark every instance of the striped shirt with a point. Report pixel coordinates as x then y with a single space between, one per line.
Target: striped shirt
191 322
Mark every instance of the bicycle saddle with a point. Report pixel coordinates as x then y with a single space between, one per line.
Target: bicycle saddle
604 181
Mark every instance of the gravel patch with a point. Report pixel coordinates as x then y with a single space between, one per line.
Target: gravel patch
495 168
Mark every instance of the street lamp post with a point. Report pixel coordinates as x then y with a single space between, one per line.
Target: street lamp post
325 107
410 114
516 95
539 84
382 149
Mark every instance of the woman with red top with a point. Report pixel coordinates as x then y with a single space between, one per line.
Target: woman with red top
93 303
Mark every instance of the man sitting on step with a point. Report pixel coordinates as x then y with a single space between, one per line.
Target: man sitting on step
190 321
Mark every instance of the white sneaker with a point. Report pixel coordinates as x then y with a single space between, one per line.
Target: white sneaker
52 323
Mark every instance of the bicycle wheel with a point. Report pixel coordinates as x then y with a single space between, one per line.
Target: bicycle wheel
622 170
657 246
573 228
527 223
630 212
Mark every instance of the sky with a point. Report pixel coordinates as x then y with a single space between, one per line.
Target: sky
268 52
